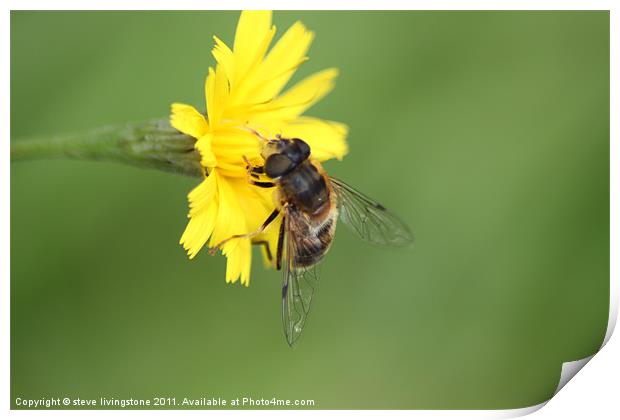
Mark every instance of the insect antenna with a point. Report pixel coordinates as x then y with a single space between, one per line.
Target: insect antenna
256 133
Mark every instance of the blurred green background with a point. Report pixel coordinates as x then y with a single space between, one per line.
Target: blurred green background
488 132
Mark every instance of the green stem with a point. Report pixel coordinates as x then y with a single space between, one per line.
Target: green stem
153 144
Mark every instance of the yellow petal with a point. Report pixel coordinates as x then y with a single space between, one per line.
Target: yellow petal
225 57
227 210
252 38
239 262
204 147
188 120
231 220
203 213
217 94
201 196
246 81
327 139
198 231
281 62
258 204
297 99
230 146
246 262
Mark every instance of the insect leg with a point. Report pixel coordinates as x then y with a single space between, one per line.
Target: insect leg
267 249
262 184
252 168
267 222
255 172
280 244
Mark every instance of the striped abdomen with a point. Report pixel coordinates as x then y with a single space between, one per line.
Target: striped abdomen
312 240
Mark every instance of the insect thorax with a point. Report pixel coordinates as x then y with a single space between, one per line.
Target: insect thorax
306 188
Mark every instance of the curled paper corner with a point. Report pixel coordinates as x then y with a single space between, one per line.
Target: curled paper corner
570 369
519 412
613 315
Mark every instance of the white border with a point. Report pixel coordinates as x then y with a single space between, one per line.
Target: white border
599 379
312 5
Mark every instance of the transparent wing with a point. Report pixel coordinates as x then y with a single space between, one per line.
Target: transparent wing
369 219
299 283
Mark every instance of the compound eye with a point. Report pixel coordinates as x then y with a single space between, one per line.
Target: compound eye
303 148
278 165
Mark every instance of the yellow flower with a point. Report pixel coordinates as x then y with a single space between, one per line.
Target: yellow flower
243 93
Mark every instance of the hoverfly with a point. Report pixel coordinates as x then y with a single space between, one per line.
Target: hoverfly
310 203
